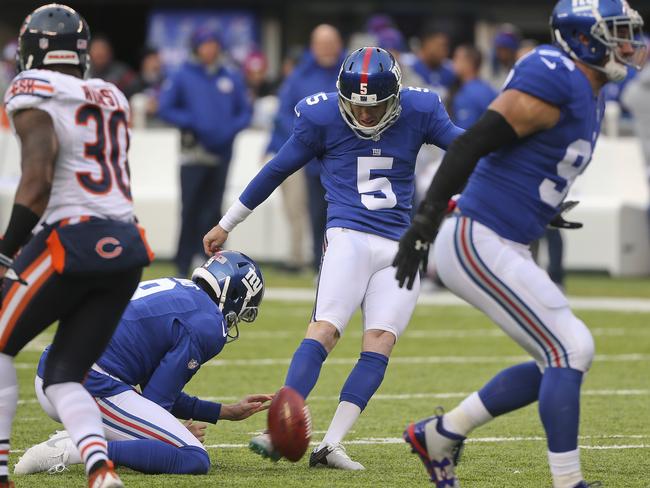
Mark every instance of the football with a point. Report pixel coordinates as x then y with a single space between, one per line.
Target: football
289 424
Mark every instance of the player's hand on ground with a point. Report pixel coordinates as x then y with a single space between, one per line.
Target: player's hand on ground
414 245
198 429
245 407
214 239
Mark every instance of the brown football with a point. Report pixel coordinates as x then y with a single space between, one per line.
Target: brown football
289 423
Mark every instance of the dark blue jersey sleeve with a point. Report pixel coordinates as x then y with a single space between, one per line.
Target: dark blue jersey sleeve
543 74
176 368
440 130
190 407
293 155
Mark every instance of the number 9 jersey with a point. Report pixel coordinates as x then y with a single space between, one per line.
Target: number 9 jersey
516 191
90 118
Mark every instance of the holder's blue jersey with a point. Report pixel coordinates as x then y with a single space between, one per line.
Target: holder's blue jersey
168 330
369 184
516 190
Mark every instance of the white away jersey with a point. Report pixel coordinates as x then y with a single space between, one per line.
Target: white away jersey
91 174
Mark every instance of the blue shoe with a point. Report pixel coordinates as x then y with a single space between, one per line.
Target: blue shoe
439 450
584 484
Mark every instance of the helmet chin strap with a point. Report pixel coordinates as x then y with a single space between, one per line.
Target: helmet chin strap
614 70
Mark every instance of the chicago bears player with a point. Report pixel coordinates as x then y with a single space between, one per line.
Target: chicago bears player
535 139
170 328
86 259
366 137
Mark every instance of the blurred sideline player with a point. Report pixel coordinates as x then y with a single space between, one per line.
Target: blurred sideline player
170 328
85 261
366 138
538 135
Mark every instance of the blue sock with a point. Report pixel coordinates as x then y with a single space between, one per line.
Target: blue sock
511 389
559 407
305 366
156 457
364 379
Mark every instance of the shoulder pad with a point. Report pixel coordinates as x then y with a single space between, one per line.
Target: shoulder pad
320 108
29 89
419 99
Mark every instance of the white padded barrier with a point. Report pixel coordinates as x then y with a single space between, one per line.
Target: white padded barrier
613 192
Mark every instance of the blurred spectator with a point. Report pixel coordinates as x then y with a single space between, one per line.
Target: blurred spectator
255 71
317 72
207 101
378 22
144 103
636 96
432 61
392 40
104 66
526 46
7 73
506 45
469 96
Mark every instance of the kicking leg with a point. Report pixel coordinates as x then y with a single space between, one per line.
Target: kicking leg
387 310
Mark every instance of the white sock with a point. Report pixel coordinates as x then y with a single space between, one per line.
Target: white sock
81 418
8 404
346 415
470 414
565 468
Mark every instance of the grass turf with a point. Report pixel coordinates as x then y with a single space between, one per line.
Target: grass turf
467 350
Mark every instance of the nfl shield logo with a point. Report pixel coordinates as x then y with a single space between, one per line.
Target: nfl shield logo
43 43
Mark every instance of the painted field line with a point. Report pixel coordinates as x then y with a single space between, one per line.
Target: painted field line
605 358
615 358
445 298
478 440
435 396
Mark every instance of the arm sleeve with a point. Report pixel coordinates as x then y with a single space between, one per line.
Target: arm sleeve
292 156
542 76
173 372
190 407
29 90
170 104
440 130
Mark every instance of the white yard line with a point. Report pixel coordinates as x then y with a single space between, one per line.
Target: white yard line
435 396
605 358
447 298
477 440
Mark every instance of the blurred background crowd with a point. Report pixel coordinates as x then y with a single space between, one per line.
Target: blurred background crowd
213 69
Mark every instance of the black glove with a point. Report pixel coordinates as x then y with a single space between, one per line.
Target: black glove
414 245
10 274
558 221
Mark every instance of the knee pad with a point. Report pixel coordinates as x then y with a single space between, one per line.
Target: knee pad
581 348
195 460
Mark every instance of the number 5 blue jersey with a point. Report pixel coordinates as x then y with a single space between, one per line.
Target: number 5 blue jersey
369 184
516 191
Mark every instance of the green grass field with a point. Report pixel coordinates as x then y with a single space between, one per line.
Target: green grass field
446 352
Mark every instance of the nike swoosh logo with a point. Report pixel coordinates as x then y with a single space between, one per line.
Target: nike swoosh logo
550 64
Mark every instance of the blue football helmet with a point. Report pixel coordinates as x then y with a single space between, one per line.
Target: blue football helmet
235 283
369 76
606 25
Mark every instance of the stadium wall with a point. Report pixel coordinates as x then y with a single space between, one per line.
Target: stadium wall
613 192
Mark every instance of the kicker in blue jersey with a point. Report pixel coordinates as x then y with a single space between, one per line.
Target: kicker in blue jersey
369 182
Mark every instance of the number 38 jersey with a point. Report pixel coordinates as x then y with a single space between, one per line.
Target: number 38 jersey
516 191
90 117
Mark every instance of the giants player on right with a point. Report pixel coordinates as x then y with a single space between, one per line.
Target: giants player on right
535 139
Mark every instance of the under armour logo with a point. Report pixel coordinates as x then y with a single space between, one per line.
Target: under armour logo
421 245
252 282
